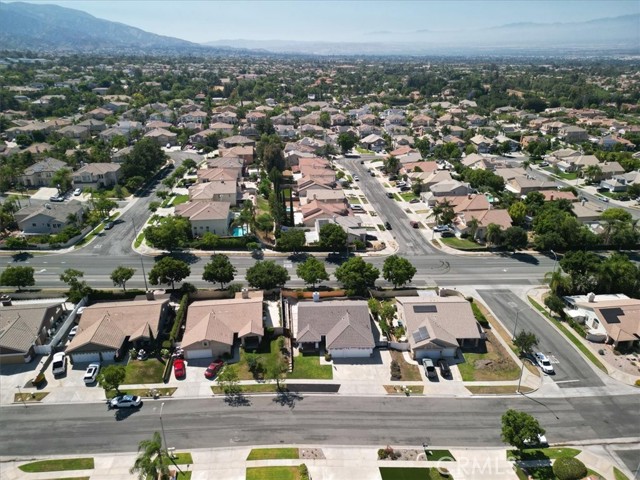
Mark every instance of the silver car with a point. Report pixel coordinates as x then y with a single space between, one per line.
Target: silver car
544 363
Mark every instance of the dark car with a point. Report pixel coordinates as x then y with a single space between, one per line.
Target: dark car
179 368
414 224
108 225
406 188
213 369
389 194
387 225
445 371
447 234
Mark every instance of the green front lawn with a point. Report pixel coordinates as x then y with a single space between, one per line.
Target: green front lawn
142 392
585 350
354 200
364 150
274 473
180 199
273 453
461 243
257 388
435 455
408 196
619 475
309 367
144 371
183 458
58 465
410 473
500 368
537 473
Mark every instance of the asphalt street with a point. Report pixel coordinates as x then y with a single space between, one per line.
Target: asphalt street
410 240
433 269
324 420
572 370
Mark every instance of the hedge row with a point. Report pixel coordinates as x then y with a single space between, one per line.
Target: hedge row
180 317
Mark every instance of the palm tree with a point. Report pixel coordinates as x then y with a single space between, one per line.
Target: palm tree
473 226
558 283
494 234
592 172
152 461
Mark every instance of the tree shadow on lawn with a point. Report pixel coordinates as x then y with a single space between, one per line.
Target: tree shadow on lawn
287 398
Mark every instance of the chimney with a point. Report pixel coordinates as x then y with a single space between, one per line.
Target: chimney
245 293
316 296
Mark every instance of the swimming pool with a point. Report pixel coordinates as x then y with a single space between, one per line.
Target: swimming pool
239 231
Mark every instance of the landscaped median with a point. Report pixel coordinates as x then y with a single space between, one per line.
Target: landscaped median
58 465
299 472
273 453
29 397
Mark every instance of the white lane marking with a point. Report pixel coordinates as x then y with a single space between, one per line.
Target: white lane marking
568 381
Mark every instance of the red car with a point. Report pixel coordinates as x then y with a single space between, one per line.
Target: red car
179 368
214 368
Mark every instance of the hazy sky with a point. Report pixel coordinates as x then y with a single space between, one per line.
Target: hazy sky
335 20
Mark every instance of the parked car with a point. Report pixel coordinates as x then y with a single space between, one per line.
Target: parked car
447 234
544 164
392 178
405 188
372 173
357 207
356 178
91 374
541 441
445 371
213 369
414 200
72 332
124 401
389 194
414 224
544 363
429 368
59 366
387 225
179 369
77 192
401 184
56 198
441 228
108 225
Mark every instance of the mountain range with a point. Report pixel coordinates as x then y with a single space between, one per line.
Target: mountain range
38 27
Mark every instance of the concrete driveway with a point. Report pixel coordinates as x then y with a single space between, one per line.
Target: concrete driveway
375 369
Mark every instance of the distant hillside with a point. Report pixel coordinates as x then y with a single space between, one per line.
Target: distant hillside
55 28
605 35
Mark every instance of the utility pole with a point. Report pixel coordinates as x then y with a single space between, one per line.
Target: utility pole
144 274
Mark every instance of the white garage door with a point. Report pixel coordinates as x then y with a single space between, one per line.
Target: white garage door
193 354
85 357
433 354
351 353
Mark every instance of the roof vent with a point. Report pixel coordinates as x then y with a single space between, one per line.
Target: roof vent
591 297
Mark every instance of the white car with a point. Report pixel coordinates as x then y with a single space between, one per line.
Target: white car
541 441
73 332
59 365
544 363
91 374
356 178
124 401
77 192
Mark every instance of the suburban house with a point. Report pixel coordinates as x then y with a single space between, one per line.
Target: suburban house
75 132
373 142
49 218
107 329
613 319
40 174
162 136
97 175
438 326
315 209
341 327
22 327
220 191
620 183
214 327
206 216
573 134
482 143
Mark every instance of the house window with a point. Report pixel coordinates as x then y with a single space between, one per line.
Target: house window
33 224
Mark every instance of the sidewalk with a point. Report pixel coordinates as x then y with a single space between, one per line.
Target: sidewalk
339 462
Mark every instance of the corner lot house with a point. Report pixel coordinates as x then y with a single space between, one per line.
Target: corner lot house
214 327
49 218
107 329
343 328
613 319
23 327
206 216
437 326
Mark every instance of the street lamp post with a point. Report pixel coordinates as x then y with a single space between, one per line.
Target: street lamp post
555 260
164 438
515 328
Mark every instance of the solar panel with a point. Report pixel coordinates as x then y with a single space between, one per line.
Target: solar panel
420 334
425 309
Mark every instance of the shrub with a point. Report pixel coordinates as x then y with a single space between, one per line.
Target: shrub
601 352
327 357
167 344
637 383
304 472
569 469
396 372
180 316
